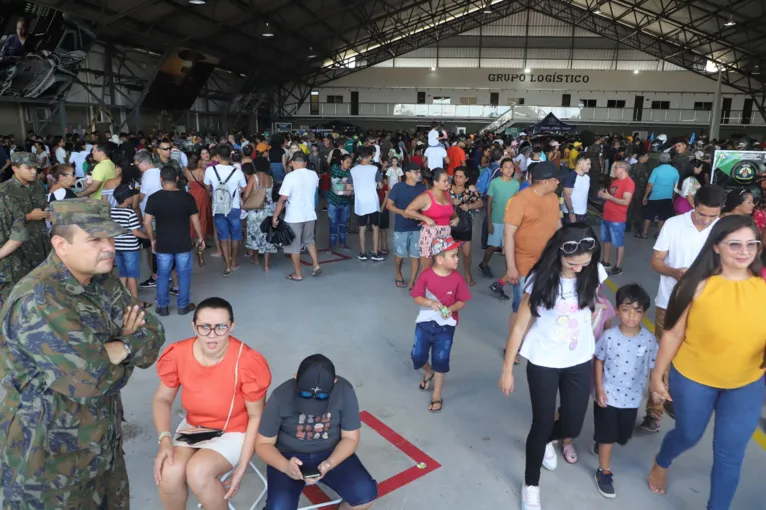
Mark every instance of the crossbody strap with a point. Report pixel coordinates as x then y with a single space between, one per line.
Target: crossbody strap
236 379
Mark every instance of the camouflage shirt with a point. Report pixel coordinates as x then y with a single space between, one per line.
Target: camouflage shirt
60 422
172 162
22 200
12 267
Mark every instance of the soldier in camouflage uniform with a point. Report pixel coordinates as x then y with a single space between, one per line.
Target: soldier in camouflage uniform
24 195
70 337
162 158
13 233
640 173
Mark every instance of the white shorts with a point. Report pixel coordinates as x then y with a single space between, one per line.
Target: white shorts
229 445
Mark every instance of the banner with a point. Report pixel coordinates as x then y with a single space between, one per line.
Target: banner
737 168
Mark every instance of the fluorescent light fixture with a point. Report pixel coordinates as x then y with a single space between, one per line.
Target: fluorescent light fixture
635 71
267 32
730 23
433 69
527 70
312 53
197 2
314 92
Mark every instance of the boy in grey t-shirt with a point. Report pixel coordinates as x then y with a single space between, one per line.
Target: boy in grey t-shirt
625 356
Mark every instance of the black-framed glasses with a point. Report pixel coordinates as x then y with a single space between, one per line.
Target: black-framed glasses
318 395
164 148
739 246
570 247
217 329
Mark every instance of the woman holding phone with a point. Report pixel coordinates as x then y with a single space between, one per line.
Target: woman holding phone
225 385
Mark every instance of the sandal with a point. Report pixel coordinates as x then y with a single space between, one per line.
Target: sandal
657 490
400 283
569 452
293 278
433 403
470 282
425 383
641 236
316 272
227 273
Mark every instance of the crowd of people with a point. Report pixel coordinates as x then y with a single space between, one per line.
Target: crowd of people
72 228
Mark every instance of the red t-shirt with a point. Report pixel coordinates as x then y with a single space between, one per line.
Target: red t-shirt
617 213
324 181
448 290
418 160
456 157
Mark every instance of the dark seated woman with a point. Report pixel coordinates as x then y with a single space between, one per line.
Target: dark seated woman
309 432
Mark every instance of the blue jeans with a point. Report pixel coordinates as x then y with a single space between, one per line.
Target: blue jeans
278 172
737 412
338 215
128 263
183 263
349 479
436 339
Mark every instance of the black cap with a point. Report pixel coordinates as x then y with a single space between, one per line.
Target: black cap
316 374
411 167
545 170
299 156
123 192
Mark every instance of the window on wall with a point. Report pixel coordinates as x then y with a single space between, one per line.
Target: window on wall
468 100
518 101
334 99
588 103
660 105
615 103
566 99
441 100
704 106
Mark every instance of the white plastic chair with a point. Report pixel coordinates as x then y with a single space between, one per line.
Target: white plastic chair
260 496
322 505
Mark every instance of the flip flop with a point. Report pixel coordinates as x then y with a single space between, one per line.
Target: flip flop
293 278
425 383
433 403
400 283
226 274
316 272
470 282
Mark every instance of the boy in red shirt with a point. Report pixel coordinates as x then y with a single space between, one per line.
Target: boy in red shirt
441 292
616 202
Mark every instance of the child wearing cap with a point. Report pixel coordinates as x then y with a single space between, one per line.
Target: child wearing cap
625 356
127 255
441 293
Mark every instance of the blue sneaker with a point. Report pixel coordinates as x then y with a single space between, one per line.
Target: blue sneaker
605 483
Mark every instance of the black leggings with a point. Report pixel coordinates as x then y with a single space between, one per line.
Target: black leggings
573 384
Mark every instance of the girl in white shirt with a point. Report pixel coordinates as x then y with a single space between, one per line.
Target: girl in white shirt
559 297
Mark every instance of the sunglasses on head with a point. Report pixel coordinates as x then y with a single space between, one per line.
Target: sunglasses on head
570 247
314 395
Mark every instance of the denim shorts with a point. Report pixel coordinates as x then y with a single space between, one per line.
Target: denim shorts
229 227
496 237
128 263
406 244
613 232
518 293
430 336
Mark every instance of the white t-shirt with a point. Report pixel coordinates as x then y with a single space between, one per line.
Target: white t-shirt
394 175
563 336
236 182
77 159
376 157
150 184
435 156
365 179
61 155
522 161
683 242
579 195
300 188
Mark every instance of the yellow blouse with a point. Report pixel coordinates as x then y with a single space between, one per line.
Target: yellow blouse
725 334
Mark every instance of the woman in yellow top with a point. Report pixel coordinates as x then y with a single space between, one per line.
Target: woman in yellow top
573 153
715 336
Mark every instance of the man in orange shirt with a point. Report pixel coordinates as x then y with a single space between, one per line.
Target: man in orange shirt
456 155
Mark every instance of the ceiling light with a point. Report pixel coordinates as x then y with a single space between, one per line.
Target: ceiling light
527 70
197 2
730 23
312 53
267 32
433 69
487 11
597 11
635 71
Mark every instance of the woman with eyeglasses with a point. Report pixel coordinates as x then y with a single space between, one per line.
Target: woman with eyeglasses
309 433
64 176
224 392
714 343
559 297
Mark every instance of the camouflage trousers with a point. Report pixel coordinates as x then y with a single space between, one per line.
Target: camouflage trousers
104 491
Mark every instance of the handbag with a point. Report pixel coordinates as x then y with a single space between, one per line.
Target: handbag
257 198
199 434
464 223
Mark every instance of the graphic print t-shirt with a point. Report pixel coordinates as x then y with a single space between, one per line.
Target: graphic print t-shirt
447 290
309 425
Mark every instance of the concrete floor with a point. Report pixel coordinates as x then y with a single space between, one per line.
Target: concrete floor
355 315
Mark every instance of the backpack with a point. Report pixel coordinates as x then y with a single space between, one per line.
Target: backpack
221 198
482 185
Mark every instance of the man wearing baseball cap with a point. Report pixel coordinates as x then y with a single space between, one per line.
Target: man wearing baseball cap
406 230
309 432
24 196
71 333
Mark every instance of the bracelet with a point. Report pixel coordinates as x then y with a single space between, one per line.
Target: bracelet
163 435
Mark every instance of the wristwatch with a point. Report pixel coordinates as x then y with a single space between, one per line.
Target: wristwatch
129 357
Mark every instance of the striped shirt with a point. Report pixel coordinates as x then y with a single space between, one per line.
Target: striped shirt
127 218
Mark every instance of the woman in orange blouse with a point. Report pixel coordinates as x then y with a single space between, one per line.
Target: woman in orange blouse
714 342
224 388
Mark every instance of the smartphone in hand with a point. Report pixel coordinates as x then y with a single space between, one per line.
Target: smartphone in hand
310 473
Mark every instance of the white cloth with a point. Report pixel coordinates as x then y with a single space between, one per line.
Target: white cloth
435 156
376 157
683 242
61 156
562 336
579 195
365 180
234 184
300 188
228 445
394 175
433 137
150 184
77 159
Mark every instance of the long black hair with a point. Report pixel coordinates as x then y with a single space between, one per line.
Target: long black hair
707 264
547 271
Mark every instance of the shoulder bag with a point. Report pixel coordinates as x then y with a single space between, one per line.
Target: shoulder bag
257 197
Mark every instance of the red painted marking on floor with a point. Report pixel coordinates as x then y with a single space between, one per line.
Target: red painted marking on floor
341 258
409 475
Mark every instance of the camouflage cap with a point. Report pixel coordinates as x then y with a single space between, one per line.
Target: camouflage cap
90 215
24 158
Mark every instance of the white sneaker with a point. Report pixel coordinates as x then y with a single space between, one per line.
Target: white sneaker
530 497
550 460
